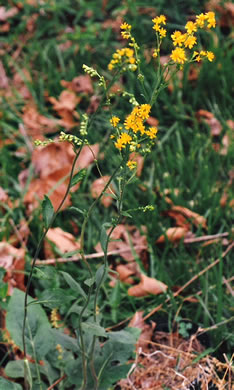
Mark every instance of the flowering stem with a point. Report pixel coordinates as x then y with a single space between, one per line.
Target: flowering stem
120 204
89 212
36 255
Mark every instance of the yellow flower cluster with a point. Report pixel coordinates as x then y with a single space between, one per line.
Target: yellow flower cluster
133 131
121 56
188 40
158 21
126 30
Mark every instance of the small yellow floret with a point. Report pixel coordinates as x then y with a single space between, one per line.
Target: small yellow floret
200 20
131 164
178 55
210 16
125 26
114 121
122 141
178 38
210 56
191 27
152 132
190 41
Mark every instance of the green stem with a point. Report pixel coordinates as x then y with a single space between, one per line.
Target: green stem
37 253
120 203
84 360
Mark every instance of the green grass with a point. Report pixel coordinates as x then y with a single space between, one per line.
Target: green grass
183 159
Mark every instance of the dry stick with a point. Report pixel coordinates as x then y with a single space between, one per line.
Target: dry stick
205 238
91 256
57 382
190 281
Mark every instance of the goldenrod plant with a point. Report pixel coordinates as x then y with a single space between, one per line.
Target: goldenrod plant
129 134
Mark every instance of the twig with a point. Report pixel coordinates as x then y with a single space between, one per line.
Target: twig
205 238
57 382
90 256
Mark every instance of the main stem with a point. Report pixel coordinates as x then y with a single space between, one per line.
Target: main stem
120 205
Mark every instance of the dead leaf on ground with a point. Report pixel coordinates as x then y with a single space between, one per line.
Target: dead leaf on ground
152 121
53 164
4 82
80 84
65 107
98 186
173 234
137 321
147 286
7 13
64 241
215 125
12 260
127 236
195 218
180 220
36 125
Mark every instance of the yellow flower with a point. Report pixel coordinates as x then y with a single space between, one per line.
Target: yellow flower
210 16
125 34
190 41
162 32
143 111
210 55
123 140
125 26
178 55
190 27
131 164
200 20
152 132
159 19
114 121
178 38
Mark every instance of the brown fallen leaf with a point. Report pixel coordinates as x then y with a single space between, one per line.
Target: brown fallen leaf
53 165
65 107
64 241
137 321
79 84
147 286
36 125
126 237
4 82
173 234
215 125
195 218
12 260
180 219
7 13
98 186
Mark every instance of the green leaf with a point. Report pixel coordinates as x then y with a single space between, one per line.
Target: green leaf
7 385
66 341
89 282
126 214
47 211
126 336
38 334
15 369
93 329
73 284
99 274
76 210
78 177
